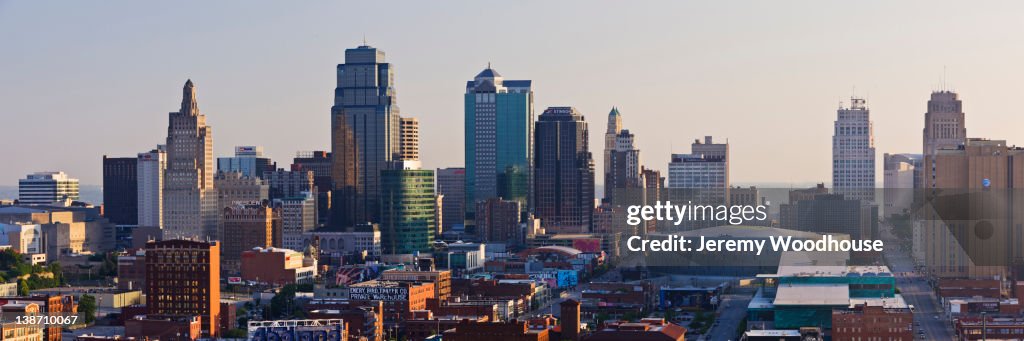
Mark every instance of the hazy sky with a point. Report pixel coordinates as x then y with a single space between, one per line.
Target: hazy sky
85 79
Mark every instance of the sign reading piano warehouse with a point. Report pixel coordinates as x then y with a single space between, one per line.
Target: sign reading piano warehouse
386 294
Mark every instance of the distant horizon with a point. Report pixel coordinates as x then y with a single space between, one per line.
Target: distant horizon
99 79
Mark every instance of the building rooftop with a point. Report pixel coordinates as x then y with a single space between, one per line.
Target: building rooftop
896 302
773 332
813 294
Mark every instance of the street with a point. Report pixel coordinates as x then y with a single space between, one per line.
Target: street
733 310
916 291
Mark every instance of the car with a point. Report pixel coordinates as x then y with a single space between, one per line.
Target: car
936 317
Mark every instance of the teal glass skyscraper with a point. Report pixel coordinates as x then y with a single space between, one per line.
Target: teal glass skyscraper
499 139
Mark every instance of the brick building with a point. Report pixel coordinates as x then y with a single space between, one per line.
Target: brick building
183 280
872 322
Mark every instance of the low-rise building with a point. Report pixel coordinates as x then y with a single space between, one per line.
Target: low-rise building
278 266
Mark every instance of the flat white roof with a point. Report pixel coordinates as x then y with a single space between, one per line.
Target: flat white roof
813 294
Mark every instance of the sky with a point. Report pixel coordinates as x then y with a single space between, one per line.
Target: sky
87 79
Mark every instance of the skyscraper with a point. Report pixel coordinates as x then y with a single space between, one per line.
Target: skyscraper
564 170
499 139
900 175
622 170
407 217
853 152
151 167
248 160
290 184
497 221
183 279
47 188
190 202
409 135
610 135
451 184
120 190
705 169
364 134
944 123
320 163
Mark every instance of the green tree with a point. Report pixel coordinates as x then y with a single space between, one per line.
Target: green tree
87 308
23 289
236 334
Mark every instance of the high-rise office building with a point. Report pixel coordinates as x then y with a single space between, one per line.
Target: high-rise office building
298 216
499 139
233 188
151 167
564 171
409 137
248 160
364 134
853 152
624 177
901 174
407 211
290 184
247 226
944 122
497 221
971 222
190 201
610 136
183 279
120 190
47 188
320 163
705 169
451 183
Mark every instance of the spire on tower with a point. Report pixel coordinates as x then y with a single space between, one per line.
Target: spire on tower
189 106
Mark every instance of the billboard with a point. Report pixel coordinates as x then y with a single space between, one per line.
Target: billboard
567 278
386 294
325 329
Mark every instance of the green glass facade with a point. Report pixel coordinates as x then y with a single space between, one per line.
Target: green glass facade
407 211
498 139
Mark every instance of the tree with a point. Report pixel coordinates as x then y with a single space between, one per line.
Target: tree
23 289
235 334
87 308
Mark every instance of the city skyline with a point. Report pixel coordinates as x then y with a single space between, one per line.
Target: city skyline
709 65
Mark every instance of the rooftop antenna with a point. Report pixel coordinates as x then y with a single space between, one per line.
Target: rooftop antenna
364 39
944 78
488 64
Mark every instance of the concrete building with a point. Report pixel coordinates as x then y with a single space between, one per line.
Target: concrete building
320 163
167 294
853 152
298 216
451 184
189 197
407 212
705 169
277 266
248 160
901 175
623 174
409 139
150 174
968 223
336 243
25 238
247 226
120 190
364 134
290 184
47 188
235 187
564 172
499 139
944 123
497 221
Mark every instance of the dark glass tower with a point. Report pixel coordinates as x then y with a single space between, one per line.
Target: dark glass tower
364 135
120 190
564 172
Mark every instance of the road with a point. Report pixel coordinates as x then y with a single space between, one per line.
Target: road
733 309
914 287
